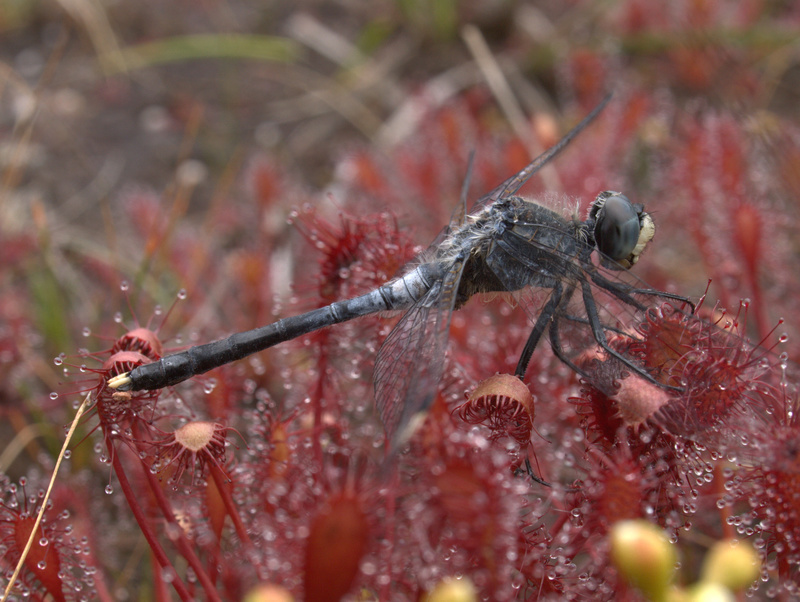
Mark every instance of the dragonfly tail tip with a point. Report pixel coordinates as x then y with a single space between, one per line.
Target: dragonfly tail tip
121 382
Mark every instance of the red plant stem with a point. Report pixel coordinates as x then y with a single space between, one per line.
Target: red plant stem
183 544
144 525
725 511
561 518
391 510
101 591
161 590
222 483
757 305
89 529
212 560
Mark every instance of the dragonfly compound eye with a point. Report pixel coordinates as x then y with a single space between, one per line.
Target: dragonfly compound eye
621 230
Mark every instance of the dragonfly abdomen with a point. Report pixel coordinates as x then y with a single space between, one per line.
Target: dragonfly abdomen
170 370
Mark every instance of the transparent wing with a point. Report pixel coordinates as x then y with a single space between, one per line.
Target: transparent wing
410 361
515 182
409 364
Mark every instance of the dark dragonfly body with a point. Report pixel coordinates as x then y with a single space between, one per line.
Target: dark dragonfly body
505 244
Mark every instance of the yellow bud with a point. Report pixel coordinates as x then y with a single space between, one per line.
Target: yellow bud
453 590
644 556
268 593
706 591
734 564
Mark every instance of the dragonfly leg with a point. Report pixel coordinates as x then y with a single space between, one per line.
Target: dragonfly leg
558 350
538 329
607 327
623 292
600 336
664 295
534 477
620 290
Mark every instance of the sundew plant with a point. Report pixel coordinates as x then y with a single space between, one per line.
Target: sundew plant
269 478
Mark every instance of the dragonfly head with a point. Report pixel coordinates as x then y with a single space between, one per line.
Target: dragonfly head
621 229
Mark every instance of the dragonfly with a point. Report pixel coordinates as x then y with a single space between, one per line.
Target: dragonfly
504 243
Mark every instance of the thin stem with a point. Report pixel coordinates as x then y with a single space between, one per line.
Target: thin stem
180 540
159 553
43 506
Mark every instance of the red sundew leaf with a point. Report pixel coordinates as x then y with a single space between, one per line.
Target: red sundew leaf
367 175
504 404
772 485
719 390
620 484
637 109
226 396
637 400
124 361
450 126
695 67
789 168
602 421
622 495
516 155
458 487
731 159
464 507
336 543
358 254
42 561
701 13
691 169
667 338
747 232
143 209
266 182
280 453
642 16
588 74
142 340
216 508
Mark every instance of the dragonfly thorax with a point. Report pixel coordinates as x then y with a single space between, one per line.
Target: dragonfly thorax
526 244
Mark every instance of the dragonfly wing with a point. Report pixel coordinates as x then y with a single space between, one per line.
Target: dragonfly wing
515 182
410 361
